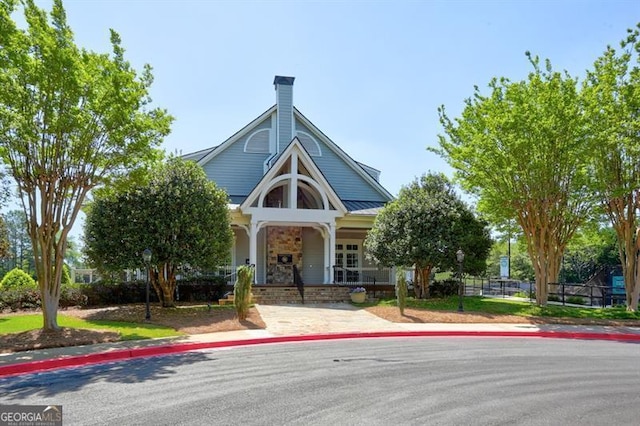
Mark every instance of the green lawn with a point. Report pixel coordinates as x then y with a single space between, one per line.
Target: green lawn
509 307
128 331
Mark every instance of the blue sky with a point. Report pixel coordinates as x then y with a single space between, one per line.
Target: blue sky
369 74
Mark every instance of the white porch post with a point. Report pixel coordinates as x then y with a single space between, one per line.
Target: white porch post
332 251
293 188
253 245
327 264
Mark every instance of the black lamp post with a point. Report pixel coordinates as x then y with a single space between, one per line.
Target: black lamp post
460 257
146 256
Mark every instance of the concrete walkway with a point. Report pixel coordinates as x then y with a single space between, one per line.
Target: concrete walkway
291 323
292 320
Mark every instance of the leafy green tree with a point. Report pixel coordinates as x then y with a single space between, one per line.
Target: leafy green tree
70 121
180 215
424 228
521 150
612 105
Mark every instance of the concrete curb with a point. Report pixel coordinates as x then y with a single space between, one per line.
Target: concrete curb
119 355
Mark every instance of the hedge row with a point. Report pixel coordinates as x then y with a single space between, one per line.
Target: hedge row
445 288
109 293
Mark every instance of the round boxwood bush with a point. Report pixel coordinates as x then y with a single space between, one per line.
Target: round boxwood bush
17 279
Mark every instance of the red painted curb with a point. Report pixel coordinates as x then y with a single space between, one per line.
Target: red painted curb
118 355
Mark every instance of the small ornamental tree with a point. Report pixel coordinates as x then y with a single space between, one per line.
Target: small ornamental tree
70 121
424 227
242 290
180 215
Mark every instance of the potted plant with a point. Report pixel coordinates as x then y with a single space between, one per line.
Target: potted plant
358 294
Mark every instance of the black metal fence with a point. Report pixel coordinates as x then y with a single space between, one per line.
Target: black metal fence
583 294
564 293
500 287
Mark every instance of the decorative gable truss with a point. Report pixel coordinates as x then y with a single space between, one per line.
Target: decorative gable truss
294 182
293 193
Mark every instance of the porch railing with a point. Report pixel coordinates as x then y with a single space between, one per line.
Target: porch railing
352 276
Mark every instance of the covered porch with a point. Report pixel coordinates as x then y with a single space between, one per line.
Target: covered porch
320 253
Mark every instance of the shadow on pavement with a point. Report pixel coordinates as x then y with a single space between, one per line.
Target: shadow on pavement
48 384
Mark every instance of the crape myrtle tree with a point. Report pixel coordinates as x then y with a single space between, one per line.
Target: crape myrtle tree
70 120
424 228
521 150
180 215
612 105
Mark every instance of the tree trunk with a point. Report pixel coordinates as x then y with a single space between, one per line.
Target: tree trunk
622 213
164 282
49 260
423 273
632 305
49 310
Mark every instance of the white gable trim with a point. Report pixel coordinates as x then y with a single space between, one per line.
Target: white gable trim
240 133
270 179
340 153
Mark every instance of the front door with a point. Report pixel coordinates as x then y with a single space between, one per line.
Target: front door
347 261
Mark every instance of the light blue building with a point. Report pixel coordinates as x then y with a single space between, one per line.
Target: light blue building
297 199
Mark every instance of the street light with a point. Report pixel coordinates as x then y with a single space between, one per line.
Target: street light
460 257
146 256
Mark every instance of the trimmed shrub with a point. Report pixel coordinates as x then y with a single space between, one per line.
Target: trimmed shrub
71 295
525 294
576 300
445 288
202 289
17 279
103 293
242 291
17 299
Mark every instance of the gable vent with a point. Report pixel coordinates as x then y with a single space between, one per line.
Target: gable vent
310 144
258 143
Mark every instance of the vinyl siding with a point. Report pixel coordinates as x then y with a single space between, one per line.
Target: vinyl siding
312 257
236 171
347 183
285 115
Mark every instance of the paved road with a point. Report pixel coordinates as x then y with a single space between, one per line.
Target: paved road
413 381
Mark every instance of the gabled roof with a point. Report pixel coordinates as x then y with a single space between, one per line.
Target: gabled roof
240 133
196 156
204 156
311 167
343 155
